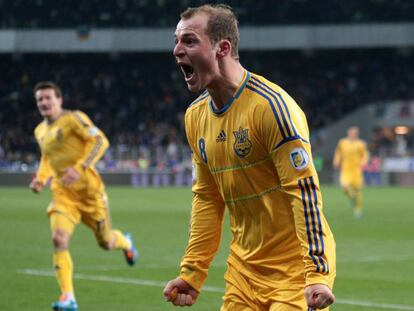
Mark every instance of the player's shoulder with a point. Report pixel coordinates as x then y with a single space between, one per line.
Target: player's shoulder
40 127
263 86
199 103
267 92
362 142
78 116
343 141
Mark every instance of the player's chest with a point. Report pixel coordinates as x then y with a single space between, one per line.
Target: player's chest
52 138
228 141
352 149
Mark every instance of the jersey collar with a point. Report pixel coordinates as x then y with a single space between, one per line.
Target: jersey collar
236 95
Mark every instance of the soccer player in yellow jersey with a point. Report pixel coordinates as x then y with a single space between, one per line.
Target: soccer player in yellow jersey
251 155
70 145
351 155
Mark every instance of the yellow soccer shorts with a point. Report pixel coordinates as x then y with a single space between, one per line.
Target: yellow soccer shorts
245 294
70 207
351 179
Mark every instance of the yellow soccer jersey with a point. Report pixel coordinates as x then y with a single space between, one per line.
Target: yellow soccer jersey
254 158
70 141
351 154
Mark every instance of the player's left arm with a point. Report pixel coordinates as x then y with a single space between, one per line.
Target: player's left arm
95 140
285 132
364 154
337 156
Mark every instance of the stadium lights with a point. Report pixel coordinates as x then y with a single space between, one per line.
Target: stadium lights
401 130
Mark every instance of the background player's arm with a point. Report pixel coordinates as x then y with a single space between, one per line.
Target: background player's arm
365 155
96 142
337 157
292 158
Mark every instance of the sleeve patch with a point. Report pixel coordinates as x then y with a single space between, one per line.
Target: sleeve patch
299 158
93 131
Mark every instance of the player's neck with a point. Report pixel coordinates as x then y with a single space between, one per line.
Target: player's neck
53 117
223 89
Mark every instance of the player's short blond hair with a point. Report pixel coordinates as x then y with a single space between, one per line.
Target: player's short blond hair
222 24
43 85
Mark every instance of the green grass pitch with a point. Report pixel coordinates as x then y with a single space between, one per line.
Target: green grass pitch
375 254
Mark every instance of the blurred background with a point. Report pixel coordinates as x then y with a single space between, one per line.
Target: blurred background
344 62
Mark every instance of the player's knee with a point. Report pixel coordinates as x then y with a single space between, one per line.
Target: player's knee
105 244
60 239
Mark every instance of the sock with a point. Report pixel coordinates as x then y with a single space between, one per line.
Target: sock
69 296
358 201
62 262
121 242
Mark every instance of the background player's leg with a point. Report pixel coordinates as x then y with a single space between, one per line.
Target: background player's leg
358 203
108 238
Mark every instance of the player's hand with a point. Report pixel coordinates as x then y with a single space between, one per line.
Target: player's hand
180 293
319 296
70 176
36 185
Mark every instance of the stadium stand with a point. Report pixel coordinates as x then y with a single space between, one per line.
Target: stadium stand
162 13
141 109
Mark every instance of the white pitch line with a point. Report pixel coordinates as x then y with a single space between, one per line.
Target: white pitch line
373 259
121 280
374 305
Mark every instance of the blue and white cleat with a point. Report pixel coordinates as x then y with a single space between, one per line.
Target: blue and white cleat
131 255
65 304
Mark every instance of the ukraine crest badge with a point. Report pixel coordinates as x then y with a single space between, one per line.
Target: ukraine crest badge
242 146
299 158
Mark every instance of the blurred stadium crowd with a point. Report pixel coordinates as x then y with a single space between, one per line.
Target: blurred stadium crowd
139 99
160 13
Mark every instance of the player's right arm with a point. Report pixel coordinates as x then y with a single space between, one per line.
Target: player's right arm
205 231
337 156
43 174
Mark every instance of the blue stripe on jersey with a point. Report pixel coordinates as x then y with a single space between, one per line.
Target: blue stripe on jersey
275 94
205 94
271 105
308 232
319 219
316 233
291 138
239 91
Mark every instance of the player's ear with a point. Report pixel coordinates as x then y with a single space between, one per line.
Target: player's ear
224 48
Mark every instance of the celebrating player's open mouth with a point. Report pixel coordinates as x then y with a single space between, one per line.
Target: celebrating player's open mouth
188 72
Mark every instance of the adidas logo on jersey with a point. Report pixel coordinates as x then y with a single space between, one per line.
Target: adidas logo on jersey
221 137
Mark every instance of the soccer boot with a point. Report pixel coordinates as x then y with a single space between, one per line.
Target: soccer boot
131 255
65 304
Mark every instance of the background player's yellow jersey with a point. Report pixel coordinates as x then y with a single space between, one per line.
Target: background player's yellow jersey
69 141
254 157
352 154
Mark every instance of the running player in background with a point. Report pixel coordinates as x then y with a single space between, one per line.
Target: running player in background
70 145
251 154
351 155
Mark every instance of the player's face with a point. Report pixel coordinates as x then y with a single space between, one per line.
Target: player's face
49 105
353 133
194 52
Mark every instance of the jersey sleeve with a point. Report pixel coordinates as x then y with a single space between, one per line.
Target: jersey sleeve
207 215
364 154
286 135
44 172
95 140
337 155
